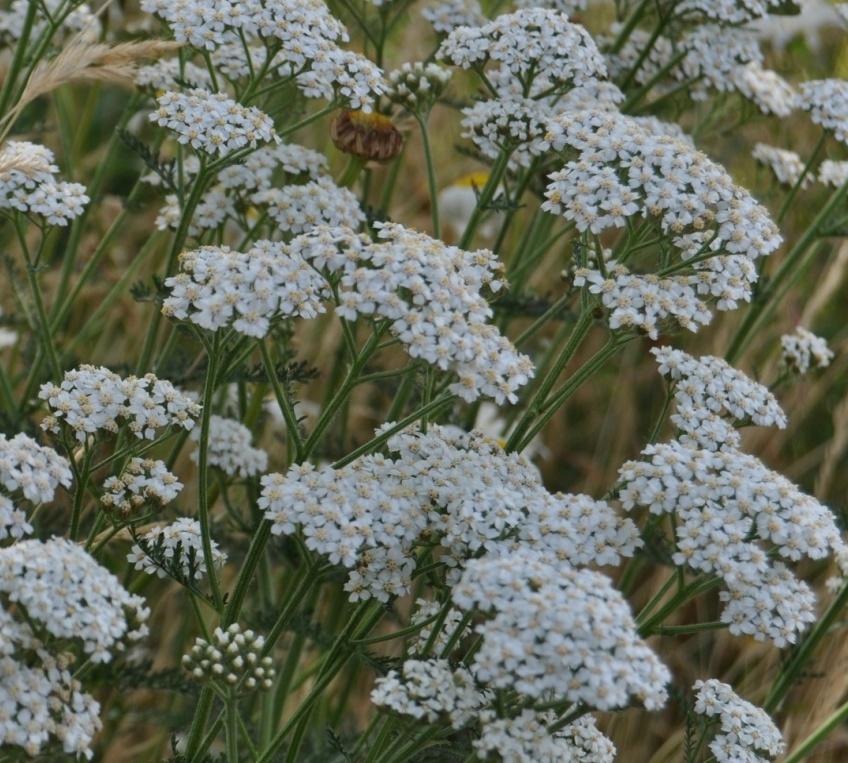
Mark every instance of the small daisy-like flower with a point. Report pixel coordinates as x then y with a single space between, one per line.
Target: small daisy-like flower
218 287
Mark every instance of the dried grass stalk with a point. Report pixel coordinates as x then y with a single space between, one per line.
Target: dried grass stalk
85 61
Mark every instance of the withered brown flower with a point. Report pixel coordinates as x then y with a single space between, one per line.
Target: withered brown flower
369 136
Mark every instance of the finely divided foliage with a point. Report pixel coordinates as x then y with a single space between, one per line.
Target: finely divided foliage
290 465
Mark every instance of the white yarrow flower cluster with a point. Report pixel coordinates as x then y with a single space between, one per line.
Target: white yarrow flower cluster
68 594
625 169
529 43
169 73
431 294
787 166
30 186
514 124
230 449
451 14
556 631
803 350
526 739
34 470
142 481
430 690
213 122
42 703
834 173
645 301
218 287
300 208
92 398
746 731
180 544
463 488
726 504
712 398
765 88
827 102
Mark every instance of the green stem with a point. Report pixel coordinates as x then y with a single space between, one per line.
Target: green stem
790 197
540 395
761 307
232 728
203 471
431 176
18 59
835 720
795 665
486 196
286 406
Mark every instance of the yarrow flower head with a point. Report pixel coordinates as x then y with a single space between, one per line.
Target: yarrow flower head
213 122
91 399
722 502
167 73
556 631
230 449
232 658
827 102
218 287
514 124
34 470
712 397
68 594
625 168
803 350
464 488
27 184
43 704
787 166
300 208
833 173
526 738
529 43
645 301
430 689
451 14
746 731
176 548
431 294
142 481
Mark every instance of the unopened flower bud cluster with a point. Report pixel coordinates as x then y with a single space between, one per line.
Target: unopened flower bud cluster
231 657
417 86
